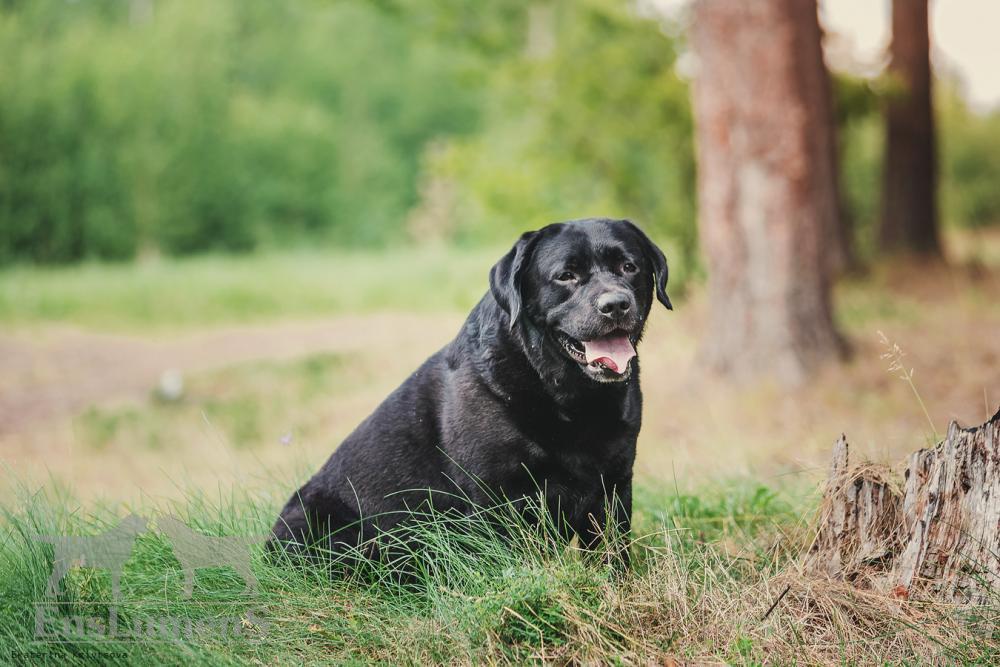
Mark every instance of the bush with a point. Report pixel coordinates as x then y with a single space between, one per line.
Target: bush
60 168
187 127
214 126
970 163
597 123
968 158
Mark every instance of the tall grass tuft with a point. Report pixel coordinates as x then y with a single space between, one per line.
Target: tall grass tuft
706 571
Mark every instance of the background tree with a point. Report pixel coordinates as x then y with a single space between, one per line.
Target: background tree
767 189
909 196
469 123
839 254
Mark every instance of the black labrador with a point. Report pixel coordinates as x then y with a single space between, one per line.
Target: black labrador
538 394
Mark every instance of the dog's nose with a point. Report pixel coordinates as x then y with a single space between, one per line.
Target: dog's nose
614 304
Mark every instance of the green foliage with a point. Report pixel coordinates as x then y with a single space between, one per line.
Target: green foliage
970 163
968 157
214 126
591 119
859 133
60 168
178 126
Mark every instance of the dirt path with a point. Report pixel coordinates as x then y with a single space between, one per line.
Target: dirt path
54 373
695 426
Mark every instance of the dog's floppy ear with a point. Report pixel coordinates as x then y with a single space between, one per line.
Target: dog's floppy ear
659 262
505 276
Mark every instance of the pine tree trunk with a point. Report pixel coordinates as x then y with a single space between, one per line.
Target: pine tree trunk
839 249
935 533
909 196
767 186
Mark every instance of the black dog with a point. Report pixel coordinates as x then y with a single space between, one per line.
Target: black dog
539 391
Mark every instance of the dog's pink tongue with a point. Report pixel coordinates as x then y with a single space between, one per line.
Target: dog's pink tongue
614 352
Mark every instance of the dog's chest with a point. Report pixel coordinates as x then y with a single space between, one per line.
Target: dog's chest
578 452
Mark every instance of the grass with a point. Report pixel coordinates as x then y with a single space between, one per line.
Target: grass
709 560
246 405
706 569
164 293
167 294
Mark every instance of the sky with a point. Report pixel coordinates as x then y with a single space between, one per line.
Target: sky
964 40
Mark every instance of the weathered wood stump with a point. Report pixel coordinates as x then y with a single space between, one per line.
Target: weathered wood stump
935 533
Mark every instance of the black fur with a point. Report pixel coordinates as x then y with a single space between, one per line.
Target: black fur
503 410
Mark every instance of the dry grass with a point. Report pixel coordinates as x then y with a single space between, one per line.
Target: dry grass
712 558
696 428
715 580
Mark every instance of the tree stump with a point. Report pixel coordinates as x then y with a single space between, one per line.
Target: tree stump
935 533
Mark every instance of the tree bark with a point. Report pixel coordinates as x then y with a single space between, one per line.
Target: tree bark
767 195
909 194
934 533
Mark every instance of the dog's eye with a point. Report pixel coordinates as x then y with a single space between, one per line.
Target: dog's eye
629 267
566 276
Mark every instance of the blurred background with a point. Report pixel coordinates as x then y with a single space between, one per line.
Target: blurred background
229 229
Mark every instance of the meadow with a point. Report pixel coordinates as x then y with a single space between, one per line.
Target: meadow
714 580
165 294
223 242
283 353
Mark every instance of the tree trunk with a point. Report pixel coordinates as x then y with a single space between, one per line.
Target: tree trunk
766 186
935 533
839 250
909 195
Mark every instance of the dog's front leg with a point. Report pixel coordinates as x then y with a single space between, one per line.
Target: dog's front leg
605 529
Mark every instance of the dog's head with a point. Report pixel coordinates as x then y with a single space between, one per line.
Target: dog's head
586 286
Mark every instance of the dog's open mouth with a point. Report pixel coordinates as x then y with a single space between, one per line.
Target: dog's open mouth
612 352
